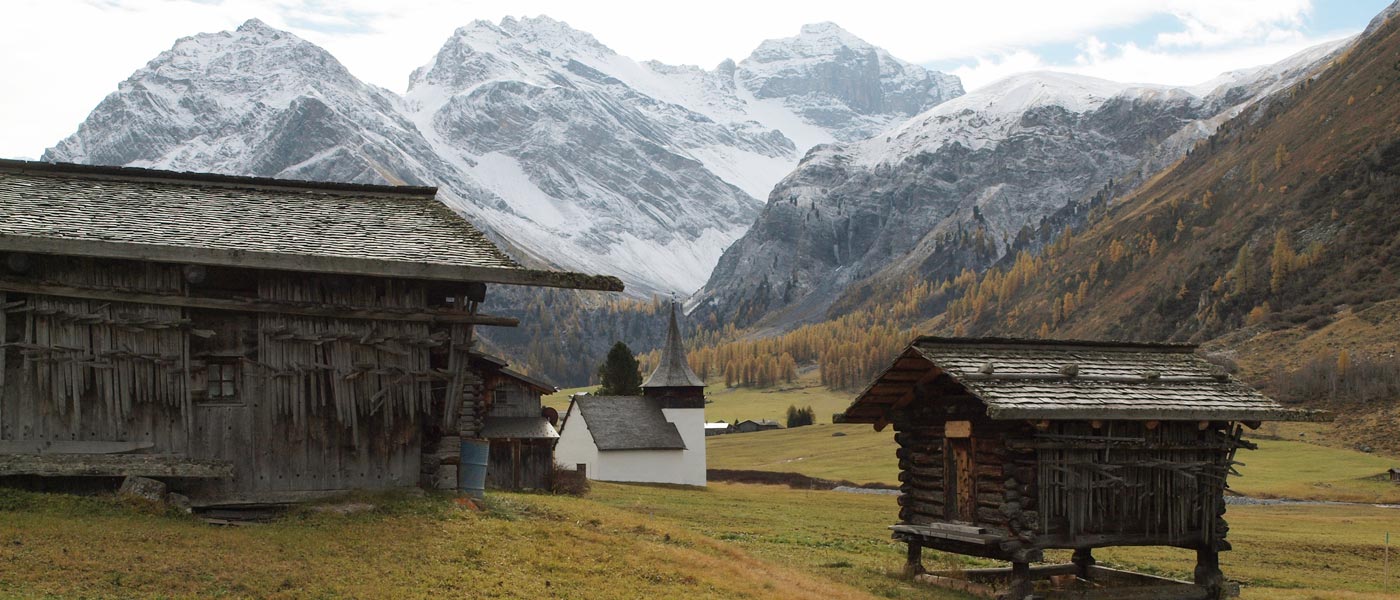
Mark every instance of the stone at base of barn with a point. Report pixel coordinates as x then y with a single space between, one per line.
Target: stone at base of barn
439 464
1058 582
144 488
445 478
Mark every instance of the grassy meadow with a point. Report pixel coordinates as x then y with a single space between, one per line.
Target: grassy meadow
621 541
1278 469
862 455
522 546
639 541
737 404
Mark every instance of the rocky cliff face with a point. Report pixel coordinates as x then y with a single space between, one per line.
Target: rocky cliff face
837 81
569 154
961 184
256 101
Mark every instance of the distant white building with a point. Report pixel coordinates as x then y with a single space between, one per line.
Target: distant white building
658 437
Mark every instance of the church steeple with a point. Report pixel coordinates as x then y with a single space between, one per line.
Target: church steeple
673 376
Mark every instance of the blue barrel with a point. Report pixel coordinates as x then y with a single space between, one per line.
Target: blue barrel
471 470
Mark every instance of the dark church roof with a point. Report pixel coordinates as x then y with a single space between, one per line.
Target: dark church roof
1051 379
673 370
199 218
627 423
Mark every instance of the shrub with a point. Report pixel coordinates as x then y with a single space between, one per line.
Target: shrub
798 417
568 481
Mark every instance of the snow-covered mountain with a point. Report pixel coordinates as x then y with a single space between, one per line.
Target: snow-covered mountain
572 155
963 183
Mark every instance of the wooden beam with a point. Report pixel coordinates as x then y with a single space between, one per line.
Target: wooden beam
259 306
71 447
950 533
957 429
113 465
4 319
1164 414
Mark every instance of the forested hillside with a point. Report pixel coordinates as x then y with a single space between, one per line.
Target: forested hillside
1273 242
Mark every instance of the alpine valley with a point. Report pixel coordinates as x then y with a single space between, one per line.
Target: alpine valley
821 197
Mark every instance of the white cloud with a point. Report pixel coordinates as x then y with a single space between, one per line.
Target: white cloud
1092 51
1213 23
993 68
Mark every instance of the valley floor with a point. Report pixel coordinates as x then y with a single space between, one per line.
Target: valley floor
634 541
622 541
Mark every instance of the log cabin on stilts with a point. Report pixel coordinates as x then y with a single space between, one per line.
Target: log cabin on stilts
1008 448
247 340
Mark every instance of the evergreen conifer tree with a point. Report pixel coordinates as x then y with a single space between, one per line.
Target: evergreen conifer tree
619 375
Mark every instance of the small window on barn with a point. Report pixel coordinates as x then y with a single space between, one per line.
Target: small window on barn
222 378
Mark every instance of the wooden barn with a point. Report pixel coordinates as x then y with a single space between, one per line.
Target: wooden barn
520 429
1008 448
245 339
750 425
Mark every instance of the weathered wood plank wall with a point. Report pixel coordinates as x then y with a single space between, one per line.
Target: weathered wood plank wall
93 370
520 464
322 403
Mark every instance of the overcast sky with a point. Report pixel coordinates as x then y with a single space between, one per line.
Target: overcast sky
61 57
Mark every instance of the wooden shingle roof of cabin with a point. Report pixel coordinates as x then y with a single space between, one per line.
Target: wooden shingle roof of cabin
501 366
626 423
197 218
1058 380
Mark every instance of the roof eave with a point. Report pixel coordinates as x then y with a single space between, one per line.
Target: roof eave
1160 414
308 263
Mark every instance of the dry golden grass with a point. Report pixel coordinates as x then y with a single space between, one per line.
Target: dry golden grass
1305 551
523 547
624 541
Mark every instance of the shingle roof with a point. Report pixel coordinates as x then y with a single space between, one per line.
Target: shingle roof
627 423
200 218
673 370
520 428
1044 379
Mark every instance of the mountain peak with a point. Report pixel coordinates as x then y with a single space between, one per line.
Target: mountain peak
814 40
830 30
256 25
535 32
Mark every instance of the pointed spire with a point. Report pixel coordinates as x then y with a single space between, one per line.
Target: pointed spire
673 370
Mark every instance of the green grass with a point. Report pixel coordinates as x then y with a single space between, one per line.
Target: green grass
623 541
1284 552
1278 469
523 547
863 455
1301 470
737 404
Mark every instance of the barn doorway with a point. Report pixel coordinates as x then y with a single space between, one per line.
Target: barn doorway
961 501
